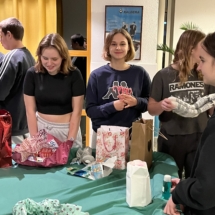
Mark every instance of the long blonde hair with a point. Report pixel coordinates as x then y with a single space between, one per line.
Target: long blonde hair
187 41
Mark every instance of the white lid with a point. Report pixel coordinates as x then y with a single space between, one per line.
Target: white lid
167 178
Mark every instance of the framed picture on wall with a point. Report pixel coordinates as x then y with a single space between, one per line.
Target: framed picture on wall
127 17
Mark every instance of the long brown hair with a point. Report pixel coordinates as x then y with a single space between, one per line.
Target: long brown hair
56 41
108 40
187 41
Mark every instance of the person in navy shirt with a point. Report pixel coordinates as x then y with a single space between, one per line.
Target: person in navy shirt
117 93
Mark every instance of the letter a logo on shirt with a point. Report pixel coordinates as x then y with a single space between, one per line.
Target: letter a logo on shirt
117 89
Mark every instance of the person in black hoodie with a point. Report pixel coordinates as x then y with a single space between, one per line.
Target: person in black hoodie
12 73
197 193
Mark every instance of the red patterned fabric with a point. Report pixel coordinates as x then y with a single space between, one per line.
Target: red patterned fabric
5 138
112 141
43 150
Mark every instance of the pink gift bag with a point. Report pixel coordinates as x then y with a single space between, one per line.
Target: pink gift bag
42 150
112 141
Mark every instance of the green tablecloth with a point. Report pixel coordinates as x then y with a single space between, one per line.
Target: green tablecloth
106 196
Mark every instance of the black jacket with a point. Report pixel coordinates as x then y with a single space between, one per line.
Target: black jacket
198 191
12 73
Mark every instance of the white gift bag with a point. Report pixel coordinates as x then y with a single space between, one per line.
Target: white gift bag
138 189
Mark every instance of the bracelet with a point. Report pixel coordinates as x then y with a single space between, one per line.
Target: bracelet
72 139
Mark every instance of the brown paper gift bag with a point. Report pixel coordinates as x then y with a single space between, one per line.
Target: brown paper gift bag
141 141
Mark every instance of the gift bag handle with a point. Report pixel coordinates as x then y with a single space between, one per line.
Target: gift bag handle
114 146
153 128
157 131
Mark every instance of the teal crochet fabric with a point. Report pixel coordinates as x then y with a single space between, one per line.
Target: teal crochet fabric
46 207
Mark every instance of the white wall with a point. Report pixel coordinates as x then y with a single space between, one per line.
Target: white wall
199 12
149 33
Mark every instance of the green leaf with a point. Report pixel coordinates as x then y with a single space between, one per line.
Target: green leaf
189 26
165 48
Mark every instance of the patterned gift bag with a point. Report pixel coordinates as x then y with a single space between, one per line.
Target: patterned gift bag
43 150
112 141
5 139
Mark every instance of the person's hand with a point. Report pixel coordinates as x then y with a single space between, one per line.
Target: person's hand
119 105
174 181
170 208
129 100
167 105
182 208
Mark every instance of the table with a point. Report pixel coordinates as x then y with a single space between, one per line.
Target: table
106 196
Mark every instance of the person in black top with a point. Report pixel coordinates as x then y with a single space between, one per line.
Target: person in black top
77 43
182 80
197 193
54 92
13 69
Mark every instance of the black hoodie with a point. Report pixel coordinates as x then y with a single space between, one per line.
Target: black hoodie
198 191
12 73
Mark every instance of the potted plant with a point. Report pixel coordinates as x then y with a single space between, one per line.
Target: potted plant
185 26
